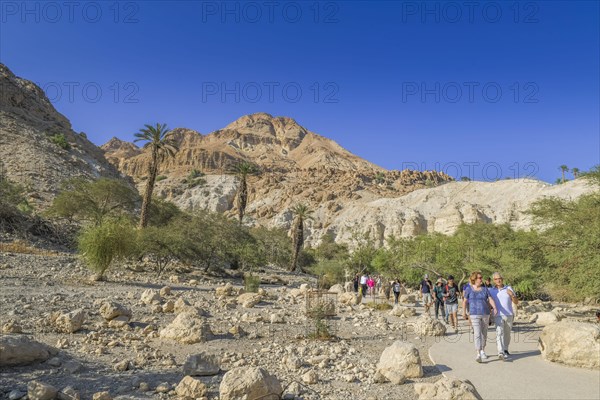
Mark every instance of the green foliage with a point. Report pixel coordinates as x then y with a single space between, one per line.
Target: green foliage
161 178
109 241
93 201
12 198
162 212
274 244
60 140
195 178
329 272
465 179
251 283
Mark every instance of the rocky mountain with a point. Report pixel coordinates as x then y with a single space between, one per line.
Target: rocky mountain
38 147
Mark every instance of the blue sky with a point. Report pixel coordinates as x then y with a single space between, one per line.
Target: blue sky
494 90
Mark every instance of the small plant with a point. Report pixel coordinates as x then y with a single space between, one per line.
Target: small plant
251 283
60 140
195 178
379 306
160 178
321 328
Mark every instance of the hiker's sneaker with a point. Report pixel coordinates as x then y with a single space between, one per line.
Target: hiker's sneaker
456 329
506 353
478 358
501 356
483 355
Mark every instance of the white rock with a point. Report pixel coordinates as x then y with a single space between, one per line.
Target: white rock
150 296
110 310
41 391
249 383
404 312
21 350
190 388
428 326
249 300
188 327
310 378
447 388
400 361
572 343
201 364
70 322
337 288
545 318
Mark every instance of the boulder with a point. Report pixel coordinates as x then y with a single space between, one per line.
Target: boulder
188 328
404 312
150 296
445 389
348 298
576 344
40 391
201 364
349 286
181 305
70 322
102 396
400 361
428 326
111 310
545 318
224 290
249 300
310 377
21 350
165 291
12 327
407 299
190 388
249 383
337 289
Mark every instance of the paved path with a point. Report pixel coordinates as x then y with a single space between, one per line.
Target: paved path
526 376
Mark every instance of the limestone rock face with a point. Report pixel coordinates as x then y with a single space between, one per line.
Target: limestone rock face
247 383
28 156
188 327
572 343
400 361
21 350
447 388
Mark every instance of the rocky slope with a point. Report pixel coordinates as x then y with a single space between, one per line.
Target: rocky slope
27 155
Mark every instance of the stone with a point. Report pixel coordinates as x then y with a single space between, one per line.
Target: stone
447 388
150 296
181 305
16 394
292 363
70 322
545 318
111 310
165 291
348 298
121 366
277 318
190 388
102 396
249 300
349 286
337 289
224 290
572 343
12 327
168 307
428 326
249 383
310 377
69 393
21 350
41 391
407 299
404 312
119 322
174 279
201 364
400 361
188 328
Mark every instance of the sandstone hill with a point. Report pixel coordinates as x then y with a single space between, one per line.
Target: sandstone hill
28 155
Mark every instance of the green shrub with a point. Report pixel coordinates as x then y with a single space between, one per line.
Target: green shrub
112 240
251 283
161 178
60 140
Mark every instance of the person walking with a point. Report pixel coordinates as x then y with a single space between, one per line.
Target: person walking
479 300
396 290
504 297
438 295
371 286
363 284
356 282
451 300
426 288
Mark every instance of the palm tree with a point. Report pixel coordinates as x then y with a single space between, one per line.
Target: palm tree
162 146
575 172
563 168
242 170
301 213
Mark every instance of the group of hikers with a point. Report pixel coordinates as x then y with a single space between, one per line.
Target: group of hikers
483 304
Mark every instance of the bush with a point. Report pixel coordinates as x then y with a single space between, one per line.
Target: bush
60 140
112 240
161 178
251 283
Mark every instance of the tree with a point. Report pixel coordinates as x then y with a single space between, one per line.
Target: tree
379 177
158 139
563 168
242 170
575 172
301 213
465 179
93 201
